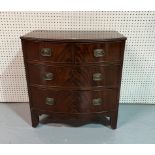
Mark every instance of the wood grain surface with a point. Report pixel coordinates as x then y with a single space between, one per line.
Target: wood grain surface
84 71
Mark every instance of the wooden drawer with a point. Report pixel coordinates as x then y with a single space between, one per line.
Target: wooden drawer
99 52
80 77
50 76
73 101
48 51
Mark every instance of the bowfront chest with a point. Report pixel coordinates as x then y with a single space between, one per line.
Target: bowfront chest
74 75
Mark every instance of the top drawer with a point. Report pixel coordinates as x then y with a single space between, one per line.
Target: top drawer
74 52
99 52
48 51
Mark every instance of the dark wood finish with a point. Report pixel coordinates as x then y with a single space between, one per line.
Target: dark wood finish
84 52
74 75
34 118
74 101
113 119
73 36
61 52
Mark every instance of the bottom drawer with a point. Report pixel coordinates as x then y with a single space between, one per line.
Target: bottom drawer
74 101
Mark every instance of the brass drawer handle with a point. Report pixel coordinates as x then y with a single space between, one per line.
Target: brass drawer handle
46 52
99 53
50 101
48 76
97 77
97 101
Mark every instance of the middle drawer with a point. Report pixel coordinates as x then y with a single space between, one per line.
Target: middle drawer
74 76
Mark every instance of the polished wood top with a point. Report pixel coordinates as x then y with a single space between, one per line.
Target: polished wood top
71 36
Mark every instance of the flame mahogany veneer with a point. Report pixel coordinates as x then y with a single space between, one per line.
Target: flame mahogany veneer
74 76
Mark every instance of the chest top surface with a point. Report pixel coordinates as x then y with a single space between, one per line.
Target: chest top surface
72 36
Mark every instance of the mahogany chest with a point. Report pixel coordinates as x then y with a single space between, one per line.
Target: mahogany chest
74 75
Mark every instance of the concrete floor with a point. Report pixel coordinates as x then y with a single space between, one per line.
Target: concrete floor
136 124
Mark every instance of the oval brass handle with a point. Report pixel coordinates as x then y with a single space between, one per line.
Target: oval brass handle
48 76
46 52
97 77
97 101
99 53
50 101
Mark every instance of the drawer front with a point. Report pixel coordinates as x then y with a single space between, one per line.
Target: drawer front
49 76
47 51
99 52
74 101
97 76
78 77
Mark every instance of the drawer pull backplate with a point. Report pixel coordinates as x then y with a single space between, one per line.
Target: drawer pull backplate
46 52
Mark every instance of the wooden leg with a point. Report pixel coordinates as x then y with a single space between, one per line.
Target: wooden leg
113 119
34 118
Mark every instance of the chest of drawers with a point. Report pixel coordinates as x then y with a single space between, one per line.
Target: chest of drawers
74 75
